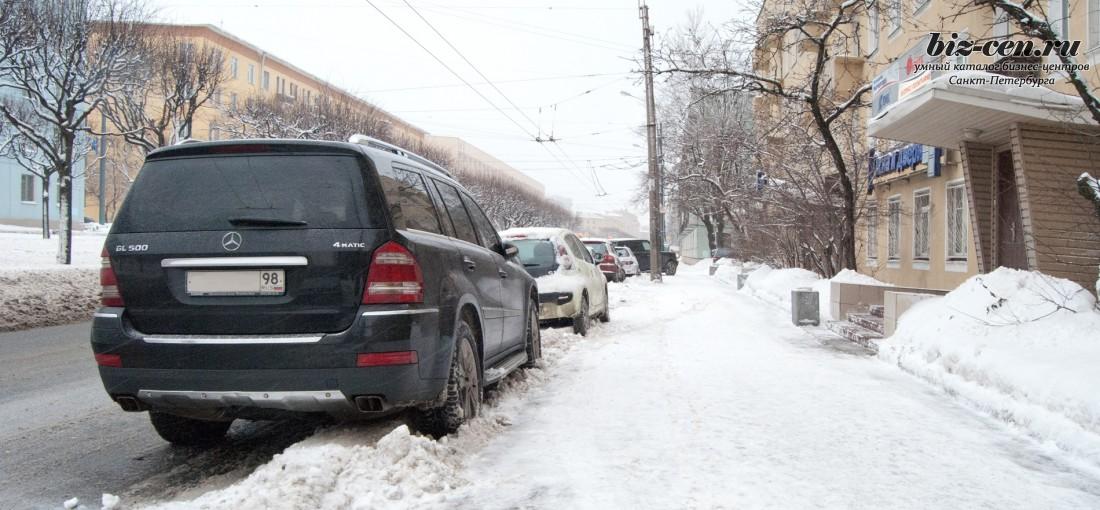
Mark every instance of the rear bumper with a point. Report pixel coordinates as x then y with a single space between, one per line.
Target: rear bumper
232 375
609 269
556 305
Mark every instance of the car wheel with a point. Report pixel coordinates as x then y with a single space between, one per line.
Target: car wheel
463 399
183 431
670 268
580 321
606 315
534 337
620 276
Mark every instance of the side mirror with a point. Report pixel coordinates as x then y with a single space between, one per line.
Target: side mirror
510 250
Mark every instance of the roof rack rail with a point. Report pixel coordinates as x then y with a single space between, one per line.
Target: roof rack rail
400 151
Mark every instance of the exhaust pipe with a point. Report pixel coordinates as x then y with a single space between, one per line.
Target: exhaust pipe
370 403
129 403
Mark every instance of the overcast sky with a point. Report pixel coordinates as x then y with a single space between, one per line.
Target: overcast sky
568 66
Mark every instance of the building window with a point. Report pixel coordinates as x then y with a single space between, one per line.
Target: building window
26 188
214 134
921 4
895 16
308 95
873 28
251 74
957 224
293 90
265 82
922 224
232 100
893 209
1000 24
1058 17
1094 24
217 98
233 64
872 233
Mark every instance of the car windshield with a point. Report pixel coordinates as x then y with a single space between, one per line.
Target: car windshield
539 257
598 249
635 245
622 252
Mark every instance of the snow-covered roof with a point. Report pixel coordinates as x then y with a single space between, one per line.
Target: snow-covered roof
534 233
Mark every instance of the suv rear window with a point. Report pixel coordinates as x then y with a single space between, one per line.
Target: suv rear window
597 247
205 193
539 256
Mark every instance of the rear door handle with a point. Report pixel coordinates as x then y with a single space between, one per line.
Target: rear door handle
502 273
470 264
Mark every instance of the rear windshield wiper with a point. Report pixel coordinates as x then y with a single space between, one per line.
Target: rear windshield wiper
271 222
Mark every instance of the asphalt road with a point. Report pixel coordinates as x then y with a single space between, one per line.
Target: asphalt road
62 437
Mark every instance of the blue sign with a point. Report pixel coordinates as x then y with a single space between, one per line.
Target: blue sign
901 159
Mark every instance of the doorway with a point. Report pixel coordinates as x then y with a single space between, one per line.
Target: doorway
1011 250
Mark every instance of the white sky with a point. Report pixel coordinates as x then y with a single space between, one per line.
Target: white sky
348 43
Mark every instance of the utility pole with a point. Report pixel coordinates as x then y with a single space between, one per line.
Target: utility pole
102 168
651 135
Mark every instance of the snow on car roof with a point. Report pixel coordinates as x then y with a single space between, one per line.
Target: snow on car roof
534 232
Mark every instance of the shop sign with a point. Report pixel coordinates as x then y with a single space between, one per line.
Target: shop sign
900 78
902 159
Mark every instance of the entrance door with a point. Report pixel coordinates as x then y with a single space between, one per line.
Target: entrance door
1010 234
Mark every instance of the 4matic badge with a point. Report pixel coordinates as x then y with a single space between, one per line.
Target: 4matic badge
339 244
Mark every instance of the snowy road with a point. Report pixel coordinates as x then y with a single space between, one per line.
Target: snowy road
694 396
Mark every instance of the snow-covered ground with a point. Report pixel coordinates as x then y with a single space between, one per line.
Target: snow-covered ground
35 290
694 396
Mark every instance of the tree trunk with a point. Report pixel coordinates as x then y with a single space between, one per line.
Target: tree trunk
46 208
65 200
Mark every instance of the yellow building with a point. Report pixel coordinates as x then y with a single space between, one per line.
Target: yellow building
970 171
250 72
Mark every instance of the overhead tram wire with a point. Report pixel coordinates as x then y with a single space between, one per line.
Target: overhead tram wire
522 80
579 173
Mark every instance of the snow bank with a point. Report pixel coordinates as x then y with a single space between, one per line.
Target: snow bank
1019 345
775 285
824 289
35 290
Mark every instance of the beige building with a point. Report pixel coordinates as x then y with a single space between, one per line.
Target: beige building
252 71
968 175
475 160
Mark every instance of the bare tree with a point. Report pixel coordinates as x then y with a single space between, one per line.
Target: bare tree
815 30
75 53
329 116
159 99
509 204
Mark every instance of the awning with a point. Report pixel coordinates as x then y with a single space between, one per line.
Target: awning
944 111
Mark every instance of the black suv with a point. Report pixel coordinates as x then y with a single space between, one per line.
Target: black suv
252 279
640 247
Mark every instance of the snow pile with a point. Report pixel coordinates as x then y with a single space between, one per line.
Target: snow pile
36 291
824 289
1019 345
561 281
775 285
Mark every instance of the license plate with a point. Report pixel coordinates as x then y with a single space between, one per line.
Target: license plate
263 282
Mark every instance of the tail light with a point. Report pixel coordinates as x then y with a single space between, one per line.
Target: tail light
381 359
394 277
108 360
608 259
108 282
564 260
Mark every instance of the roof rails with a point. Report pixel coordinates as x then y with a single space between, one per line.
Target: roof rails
388 147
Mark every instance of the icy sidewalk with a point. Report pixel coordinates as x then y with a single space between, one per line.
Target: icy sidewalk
694 396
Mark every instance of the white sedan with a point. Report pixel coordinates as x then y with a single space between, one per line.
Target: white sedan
571 286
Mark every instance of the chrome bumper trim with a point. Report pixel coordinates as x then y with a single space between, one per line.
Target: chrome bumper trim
235 262
305 401
310 338
411 311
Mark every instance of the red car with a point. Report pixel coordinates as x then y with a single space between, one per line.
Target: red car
604 254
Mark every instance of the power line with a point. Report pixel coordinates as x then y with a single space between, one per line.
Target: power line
522 80
486 78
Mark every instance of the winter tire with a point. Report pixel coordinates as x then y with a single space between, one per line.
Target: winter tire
188 431
580 322
534 337
670 268
620 276
463 398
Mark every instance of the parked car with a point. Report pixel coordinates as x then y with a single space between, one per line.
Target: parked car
570 286
640 247
251 279
628 261
606 259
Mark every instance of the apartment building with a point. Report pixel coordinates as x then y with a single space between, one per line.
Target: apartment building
967 173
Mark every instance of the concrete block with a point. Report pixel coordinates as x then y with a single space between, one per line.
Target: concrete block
897 303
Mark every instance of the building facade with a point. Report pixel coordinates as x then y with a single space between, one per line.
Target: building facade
968 171
474 160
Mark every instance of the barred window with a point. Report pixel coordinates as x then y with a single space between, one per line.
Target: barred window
957 225
26 188
922 224
872 233
893 209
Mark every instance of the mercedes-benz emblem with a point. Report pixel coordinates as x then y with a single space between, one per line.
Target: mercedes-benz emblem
231 241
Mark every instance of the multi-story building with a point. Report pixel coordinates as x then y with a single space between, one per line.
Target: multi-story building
254 72
473 160
970 172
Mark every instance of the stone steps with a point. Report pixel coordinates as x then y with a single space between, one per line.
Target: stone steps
878 311
868 321
856 333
